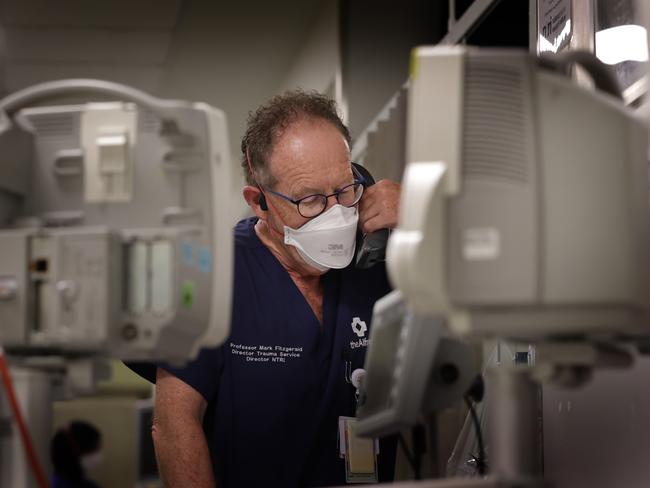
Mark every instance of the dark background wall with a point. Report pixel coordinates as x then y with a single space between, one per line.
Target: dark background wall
378 35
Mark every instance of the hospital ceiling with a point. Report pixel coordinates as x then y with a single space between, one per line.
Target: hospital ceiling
143 42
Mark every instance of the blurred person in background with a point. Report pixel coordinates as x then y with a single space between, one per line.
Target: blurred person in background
75 450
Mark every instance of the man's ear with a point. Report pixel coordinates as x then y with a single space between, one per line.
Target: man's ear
255 200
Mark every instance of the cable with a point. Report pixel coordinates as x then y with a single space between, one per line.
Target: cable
480 459
409 456
475 394
39 474
419 447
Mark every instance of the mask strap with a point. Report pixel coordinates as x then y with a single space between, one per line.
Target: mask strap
266 198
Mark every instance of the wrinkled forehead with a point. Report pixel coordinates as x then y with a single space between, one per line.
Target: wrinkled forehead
311 153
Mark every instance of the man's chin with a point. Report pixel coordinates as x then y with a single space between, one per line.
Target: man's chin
304 267
307 269
317 272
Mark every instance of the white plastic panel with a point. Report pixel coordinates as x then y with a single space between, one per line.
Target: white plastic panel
108 134
161 276
137 286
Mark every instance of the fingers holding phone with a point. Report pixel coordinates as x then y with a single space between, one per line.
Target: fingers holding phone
379 207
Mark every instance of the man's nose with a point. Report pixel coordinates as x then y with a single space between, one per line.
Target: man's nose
331 201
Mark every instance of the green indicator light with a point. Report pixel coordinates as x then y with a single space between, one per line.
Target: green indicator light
187 294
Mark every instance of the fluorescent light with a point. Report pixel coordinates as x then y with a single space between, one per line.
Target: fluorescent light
622 43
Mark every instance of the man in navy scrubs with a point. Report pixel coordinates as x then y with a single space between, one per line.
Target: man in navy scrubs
263 408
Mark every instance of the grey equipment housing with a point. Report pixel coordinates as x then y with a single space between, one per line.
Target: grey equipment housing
410 369
517 220
115 225
521 220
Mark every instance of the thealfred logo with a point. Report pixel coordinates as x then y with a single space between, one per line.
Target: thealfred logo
359 327
360 343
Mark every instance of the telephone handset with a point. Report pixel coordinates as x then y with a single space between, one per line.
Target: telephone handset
371 248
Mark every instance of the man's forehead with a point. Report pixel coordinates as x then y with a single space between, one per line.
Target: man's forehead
313 147
305 180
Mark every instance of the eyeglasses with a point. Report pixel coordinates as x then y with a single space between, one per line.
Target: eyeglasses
313 205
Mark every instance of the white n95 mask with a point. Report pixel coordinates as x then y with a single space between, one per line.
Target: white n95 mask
90 462
327 241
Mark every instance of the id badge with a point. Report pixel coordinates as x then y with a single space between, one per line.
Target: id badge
360 454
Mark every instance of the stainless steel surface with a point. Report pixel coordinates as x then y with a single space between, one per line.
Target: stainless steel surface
599 435
583 25
514 427
583 35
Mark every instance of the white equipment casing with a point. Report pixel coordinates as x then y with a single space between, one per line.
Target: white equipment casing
525 201
117 238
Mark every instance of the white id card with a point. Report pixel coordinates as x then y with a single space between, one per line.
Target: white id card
360 454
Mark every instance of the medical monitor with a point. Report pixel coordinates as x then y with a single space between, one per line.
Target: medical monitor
524 211
524 216
115 223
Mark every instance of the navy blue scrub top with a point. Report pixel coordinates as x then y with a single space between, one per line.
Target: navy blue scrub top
276 388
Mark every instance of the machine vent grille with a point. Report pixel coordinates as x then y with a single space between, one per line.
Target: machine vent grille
495 121
148 123
55 124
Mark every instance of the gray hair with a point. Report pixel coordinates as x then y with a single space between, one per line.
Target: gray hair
267 123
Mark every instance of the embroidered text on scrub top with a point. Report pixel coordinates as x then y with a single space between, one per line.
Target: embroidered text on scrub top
262 353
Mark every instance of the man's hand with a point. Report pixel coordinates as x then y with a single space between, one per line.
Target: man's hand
379 206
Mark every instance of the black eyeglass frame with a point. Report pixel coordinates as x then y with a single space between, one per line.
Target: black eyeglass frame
359 180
